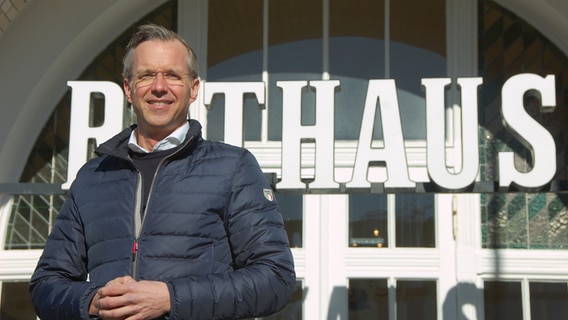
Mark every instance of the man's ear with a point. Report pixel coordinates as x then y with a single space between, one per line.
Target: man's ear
194 90
127 90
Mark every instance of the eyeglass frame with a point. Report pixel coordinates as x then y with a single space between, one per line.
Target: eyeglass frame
147 78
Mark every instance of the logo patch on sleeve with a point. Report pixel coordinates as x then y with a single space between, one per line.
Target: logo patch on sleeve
268 194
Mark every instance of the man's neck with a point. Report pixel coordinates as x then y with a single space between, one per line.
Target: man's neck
145 142
147 139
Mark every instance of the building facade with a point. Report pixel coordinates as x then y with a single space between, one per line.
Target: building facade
417 148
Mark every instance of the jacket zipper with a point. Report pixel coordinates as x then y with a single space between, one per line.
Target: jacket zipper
139 221
137 224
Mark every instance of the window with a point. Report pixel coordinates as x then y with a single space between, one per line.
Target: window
504 300
508 46
368 299
363 47
369 216
234 53
413 299
291 208
416 300
289 42
15 302
548 300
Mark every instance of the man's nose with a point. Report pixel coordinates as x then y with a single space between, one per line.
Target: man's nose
159 84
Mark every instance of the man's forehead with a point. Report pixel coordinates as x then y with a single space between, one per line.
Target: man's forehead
173 45
168 55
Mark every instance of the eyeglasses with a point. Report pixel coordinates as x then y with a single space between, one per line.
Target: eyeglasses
171 78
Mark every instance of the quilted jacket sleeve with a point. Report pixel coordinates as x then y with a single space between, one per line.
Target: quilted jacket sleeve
263 278
58 287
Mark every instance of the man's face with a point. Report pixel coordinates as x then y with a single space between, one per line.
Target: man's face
161 88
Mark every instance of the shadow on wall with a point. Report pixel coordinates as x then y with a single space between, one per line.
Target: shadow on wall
469 296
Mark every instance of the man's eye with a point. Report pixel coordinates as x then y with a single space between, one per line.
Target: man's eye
171 76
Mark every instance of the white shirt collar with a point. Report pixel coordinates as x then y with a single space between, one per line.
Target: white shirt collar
173 140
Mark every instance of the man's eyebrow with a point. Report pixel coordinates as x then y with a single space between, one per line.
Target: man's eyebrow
148 70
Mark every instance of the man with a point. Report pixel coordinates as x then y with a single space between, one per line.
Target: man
165 224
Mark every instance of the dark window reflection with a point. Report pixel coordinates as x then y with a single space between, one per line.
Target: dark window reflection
416 300
291 210
417 51
295 49
418 48
234 55
368 220
358 52
415 222
368 299
15 302
503 300
548 300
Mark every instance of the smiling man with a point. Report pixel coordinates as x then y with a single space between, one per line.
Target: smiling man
160 87
164 224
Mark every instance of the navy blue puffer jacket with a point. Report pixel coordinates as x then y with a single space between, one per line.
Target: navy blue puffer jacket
209 232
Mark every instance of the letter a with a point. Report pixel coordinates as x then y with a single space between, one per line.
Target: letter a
393 153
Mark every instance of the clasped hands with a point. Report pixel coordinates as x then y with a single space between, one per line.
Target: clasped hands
127 299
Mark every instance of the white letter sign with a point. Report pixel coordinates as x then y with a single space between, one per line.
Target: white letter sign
529 132
393 153
435 134
308 151
293 132
80 131
234 92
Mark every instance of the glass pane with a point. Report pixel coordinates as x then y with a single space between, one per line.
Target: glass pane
292 213
294 53
293 311
368 220
502 300
418 47
415 221
519 220
548 300
416 300
15 301
524 220
417 51
368 299
234 53
356 54
30 220
508 45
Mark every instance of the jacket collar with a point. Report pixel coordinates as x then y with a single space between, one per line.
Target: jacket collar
118 145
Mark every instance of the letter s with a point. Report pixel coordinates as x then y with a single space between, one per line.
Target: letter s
529 132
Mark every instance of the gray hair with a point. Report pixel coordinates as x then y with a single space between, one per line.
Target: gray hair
149 32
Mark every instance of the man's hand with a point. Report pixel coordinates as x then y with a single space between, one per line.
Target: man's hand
126 298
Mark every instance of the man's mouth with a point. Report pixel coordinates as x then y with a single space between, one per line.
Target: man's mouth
159 103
